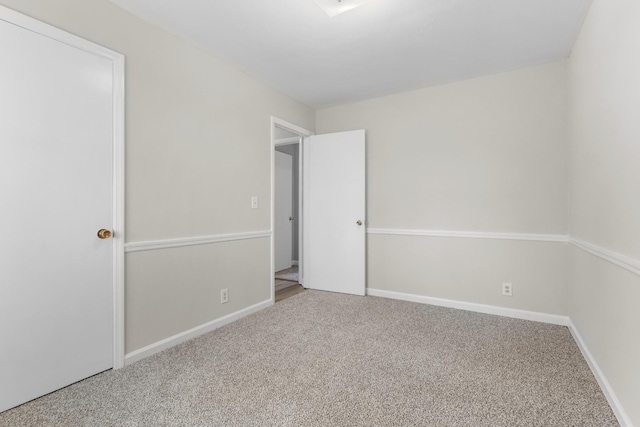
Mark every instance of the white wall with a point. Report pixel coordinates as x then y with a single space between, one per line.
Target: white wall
292 150
483 155
604 76
194 126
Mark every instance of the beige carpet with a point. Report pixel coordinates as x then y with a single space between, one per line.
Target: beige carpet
288 274
322 359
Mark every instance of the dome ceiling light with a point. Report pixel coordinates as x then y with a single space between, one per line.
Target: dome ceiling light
336 7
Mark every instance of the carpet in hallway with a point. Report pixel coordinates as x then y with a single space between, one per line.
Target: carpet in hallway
288 274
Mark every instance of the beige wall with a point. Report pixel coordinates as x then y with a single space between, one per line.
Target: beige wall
484 155
603 306
487 154
194 125
177 289
605 127
604 76
471 270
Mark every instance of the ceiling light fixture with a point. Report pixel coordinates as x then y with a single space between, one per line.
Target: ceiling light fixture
336 7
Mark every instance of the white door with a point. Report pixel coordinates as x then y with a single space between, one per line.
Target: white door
56 275
283 238
334 212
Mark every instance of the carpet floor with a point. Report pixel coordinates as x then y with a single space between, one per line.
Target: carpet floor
288 274
323 359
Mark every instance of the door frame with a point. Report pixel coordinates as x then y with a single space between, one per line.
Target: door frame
118 169
296 140
302 133
278 188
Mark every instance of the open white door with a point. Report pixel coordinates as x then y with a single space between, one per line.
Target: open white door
334 212
57 190
283 210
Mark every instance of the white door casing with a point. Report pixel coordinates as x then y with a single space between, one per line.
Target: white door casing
334 212
283 210
62 179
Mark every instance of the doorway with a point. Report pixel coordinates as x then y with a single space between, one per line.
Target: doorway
287 263
287 199
331 222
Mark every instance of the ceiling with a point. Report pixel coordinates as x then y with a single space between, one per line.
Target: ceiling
378 48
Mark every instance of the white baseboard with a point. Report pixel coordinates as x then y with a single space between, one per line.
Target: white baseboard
470 306
615 404
166 343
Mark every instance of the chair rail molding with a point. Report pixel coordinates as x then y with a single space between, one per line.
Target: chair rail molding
624 261
562 238
194 241
628 263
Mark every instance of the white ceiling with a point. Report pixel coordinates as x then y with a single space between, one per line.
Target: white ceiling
379 48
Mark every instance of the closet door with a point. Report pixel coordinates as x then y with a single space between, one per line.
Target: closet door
56 187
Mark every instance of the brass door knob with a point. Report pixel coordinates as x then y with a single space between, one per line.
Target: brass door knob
104 234
359 222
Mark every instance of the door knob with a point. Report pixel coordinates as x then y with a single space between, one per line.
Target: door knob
104 234
359 222
290 218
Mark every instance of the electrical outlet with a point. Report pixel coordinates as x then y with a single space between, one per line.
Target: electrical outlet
224 296
254 202
507 289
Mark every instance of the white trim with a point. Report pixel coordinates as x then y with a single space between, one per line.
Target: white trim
286 141
628 263
615 404
193 241
119 211
535 316
166 343
301 220
31 24
283 124
472 234
117 59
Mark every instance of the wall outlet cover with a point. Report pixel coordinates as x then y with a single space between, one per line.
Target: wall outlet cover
507 289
